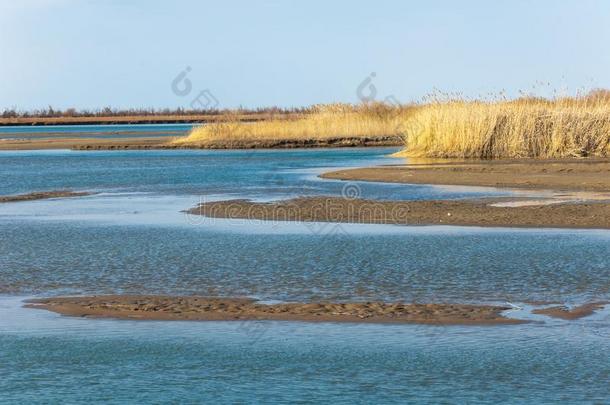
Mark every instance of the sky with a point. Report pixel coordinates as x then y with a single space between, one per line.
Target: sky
93 53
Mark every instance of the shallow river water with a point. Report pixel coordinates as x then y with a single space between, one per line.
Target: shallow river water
131 237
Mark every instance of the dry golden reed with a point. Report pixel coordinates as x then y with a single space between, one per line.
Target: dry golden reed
527 127
456 128
322 122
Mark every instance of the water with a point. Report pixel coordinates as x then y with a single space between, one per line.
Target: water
45 357
132 237
303 262
242 173
94 131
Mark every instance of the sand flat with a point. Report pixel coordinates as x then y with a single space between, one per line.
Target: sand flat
164 142
85 143
41 195
565 313
481 212
587 174
151 307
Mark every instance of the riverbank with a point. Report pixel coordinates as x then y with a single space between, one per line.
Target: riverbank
166 143
147 307
588 174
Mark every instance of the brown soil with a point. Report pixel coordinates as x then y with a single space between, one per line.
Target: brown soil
442 212
563 312
42 195
233 309
565 174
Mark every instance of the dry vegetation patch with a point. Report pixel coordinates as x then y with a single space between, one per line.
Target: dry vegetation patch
322 123
527 127
440 127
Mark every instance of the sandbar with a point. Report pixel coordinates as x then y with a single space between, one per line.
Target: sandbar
480 212
41 195
152 307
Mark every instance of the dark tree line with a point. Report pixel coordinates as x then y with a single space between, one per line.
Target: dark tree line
51 112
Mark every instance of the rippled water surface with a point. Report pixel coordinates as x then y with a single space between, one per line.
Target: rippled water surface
45 357
241 173
131 237
301 263
93 131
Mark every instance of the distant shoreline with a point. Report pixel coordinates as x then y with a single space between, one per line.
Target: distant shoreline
131 119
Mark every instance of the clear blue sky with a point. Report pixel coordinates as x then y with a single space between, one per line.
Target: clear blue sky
94 53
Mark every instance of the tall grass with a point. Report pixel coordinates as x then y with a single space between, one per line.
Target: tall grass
501 128
320 122
526 127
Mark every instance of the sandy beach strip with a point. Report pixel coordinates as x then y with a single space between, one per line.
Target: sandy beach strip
41 195
481 212
150 307
588 174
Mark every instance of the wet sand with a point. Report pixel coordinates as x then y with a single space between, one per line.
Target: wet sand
147 307
43 195
569 314
587 174
289 143
482 212
85 143
164 142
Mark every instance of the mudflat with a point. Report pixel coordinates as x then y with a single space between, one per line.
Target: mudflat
587 174
483 212
164 142
84 143
43 195
291 143
150 307
563 312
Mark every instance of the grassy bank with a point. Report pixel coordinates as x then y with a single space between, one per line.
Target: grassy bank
319 123
446 128
526 127
566 127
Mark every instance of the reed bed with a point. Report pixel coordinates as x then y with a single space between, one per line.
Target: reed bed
321 122
522 128
527 127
